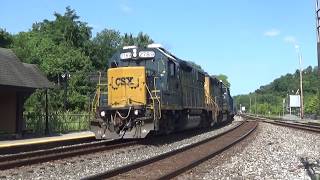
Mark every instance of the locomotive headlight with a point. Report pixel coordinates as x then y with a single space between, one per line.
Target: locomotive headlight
102 113
136 112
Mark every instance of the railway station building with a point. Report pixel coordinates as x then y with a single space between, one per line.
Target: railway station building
17 82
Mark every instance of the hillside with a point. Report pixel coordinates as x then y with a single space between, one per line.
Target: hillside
269 98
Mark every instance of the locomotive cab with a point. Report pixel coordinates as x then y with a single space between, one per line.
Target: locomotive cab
151 90
137 80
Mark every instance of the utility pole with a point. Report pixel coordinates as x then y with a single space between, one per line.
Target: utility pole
318 37
255 104
250 103
301 87
318 33
283 105
47 114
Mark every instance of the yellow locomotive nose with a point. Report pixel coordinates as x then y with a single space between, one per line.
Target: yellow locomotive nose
126 86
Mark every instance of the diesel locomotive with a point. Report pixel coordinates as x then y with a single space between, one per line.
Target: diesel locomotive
150 90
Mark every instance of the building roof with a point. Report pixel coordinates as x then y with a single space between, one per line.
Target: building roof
15 73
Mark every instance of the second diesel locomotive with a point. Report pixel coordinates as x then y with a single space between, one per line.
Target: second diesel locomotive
149 89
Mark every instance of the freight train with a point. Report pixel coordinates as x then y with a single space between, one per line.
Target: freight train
151 90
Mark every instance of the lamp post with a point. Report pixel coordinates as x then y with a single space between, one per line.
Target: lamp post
65 76
318 33
301 88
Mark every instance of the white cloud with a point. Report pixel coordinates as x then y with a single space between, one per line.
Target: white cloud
125 8
272 33
290 39
95 26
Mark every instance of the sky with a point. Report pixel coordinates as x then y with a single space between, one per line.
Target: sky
251 41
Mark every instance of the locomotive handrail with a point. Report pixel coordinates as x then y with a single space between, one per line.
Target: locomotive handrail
153 101
96 99
93 104
212 102
156 95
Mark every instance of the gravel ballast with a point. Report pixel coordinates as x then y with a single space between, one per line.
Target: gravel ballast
272 152
78 167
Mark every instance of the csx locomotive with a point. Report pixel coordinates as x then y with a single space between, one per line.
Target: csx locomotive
151 90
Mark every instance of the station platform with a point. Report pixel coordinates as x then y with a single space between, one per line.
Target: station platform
14 146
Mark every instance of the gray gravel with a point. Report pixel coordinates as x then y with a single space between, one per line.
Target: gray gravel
77 167
273 152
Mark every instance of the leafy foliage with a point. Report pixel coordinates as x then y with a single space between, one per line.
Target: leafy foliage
58 47
142 40
224 79
104 45
5 38
270 97
65 46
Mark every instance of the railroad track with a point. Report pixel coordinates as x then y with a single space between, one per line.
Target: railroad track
39 156
8 161
301 126
173 163
296 125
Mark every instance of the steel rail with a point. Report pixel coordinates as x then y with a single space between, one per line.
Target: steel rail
29 158
300 126
139 164
296 125
195 163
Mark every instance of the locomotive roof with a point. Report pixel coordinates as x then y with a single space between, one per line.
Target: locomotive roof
161 50
178 60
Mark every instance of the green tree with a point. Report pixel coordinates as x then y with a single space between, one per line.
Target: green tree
6 39
142 40
272 94
104 45
65 29
128 40
224 79
57 47
312 104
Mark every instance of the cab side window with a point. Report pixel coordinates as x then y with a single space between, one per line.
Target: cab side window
113 65
171 68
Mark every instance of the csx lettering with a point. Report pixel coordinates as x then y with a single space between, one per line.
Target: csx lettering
124 81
